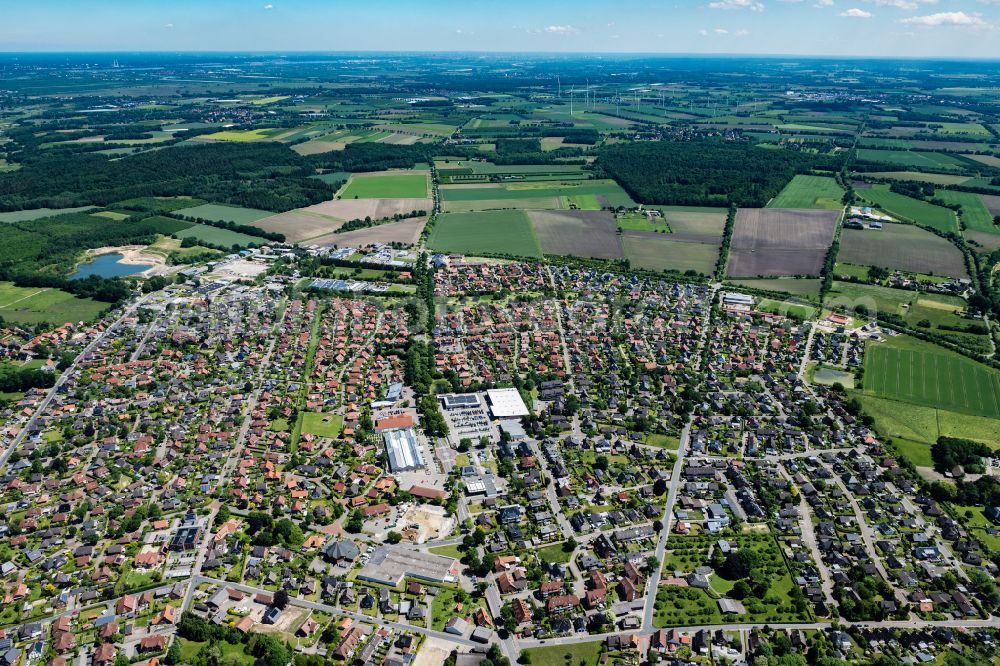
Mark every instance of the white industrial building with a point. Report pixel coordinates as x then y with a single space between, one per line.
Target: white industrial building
402 449
506 403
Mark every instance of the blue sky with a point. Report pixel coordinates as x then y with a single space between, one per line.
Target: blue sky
959 28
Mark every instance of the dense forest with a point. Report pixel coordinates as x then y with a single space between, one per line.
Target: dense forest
705 173
267 176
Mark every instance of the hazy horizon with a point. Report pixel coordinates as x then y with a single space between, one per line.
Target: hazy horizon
960 29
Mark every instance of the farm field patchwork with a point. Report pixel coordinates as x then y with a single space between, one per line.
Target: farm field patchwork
910 209
810 192
904 247
770 242
496 232
912 371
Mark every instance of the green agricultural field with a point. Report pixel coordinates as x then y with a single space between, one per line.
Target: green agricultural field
810 192
322 425
39 213
911 210
911 158
975 214
873 297
920 373
920 177
495 232
216 236
608 192
33 305
924 425
220 213
401 186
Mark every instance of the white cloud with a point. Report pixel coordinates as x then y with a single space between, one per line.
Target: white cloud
753 5
742 32
703 32
721 31
824 3
856 13
946 18
268 6
903 4
560 29
169 25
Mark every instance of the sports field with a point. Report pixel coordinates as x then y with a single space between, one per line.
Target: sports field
389 186
496 232
920 373
909 209
810 192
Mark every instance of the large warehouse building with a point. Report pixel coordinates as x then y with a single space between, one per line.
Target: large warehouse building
402 449
389 565
506 403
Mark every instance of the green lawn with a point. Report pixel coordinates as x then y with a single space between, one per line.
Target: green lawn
447 551
322 425
554 554
810 192
232 653
493 232
401 186
913 371
573 654
33 305
911 210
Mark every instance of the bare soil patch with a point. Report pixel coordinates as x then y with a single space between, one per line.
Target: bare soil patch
404 231
354 209
772 242
298 225
578 233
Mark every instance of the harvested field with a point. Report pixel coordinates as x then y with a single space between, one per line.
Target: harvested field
665 252
404 231
577 233
780 241
355 209
298 225
904 247
992 202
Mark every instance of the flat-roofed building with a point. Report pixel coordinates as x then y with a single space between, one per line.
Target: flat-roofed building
506 403
389 565
401 447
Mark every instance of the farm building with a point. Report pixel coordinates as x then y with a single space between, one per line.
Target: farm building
401 447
